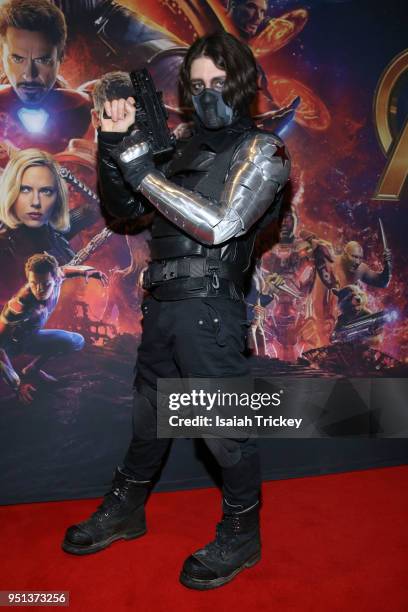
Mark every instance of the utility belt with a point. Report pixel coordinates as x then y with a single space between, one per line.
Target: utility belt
188 275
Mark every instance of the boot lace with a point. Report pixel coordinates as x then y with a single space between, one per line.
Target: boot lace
111 499
224 540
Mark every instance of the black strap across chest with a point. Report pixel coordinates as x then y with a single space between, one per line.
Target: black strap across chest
210 185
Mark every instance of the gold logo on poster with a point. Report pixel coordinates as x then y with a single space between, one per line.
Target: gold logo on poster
393 140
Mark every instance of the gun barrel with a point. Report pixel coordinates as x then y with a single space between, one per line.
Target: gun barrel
361 327
151 114
367 320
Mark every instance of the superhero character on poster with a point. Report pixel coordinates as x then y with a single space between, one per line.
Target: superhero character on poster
329 130
340 108
24 317
34 214
37 107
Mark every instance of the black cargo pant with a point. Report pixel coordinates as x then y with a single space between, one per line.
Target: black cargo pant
197 337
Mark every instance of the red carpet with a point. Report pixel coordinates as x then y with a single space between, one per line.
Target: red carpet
330 543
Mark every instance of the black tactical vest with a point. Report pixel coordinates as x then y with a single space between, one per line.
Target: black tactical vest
181 266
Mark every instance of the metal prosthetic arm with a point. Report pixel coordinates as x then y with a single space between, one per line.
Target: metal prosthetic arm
259 169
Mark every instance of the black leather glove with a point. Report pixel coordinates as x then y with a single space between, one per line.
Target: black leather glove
118 199
133 156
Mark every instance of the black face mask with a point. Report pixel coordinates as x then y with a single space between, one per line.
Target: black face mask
212 110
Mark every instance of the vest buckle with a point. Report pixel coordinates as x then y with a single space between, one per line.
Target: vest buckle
215 281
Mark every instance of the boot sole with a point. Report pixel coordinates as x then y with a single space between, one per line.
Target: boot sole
204 585
75 549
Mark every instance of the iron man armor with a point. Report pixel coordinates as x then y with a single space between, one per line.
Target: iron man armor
64 114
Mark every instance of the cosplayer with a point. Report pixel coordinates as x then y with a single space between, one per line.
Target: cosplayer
36 107
208 201
26 313
34 215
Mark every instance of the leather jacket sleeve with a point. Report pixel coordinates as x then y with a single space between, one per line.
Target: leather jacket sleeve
117 198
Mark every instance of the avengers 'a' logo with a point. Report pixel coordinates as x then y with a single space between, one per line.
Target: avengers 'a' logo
391 121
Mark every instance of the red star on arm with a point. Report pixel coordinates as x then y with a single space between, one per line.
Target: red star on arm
281 152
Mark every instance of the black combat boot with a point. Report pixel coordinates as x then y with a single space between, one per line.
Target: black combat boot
236 546
121 515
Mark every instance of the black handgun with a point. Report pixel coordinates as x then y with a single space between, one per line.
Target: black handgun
151 115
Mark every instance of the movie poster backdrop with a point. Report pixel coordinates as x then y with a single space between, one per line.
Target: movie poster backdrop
328 297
